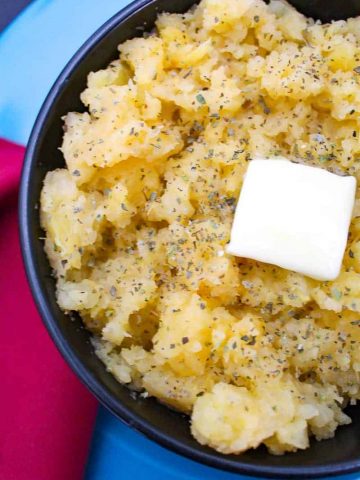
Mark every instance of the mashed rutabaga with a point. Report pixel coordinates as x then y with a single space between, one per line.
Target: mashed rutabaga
137 223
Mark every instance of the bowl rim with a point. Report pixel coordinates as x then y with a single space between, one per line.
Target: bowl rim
105 398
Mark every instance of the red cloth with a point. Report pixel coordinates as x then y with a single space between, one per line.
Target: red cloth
46 415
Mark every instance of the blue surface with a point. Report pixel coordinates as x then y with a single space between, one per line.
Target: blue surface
33 50
118 449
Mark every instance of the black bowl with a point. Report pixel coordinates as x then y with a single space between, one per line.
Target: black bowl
168 428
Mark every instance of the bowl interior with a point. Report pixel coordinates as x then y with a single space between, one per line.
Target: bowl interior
327 10
169 428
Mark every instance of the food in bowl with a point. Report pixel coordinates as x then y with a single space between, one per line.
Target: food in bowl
138 222
294 216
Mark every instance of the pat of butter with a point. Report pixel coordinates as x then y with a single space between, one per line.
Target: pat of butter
293 216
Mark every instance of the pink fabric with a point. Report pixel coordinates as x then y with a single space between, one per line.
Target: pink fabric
46 415
11 157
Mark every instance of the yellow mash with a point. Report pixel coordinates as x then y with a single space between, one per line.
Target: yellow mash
137 223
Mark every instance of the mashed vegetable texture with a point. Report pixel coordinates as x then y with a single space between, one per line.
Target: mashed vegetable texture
138 220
